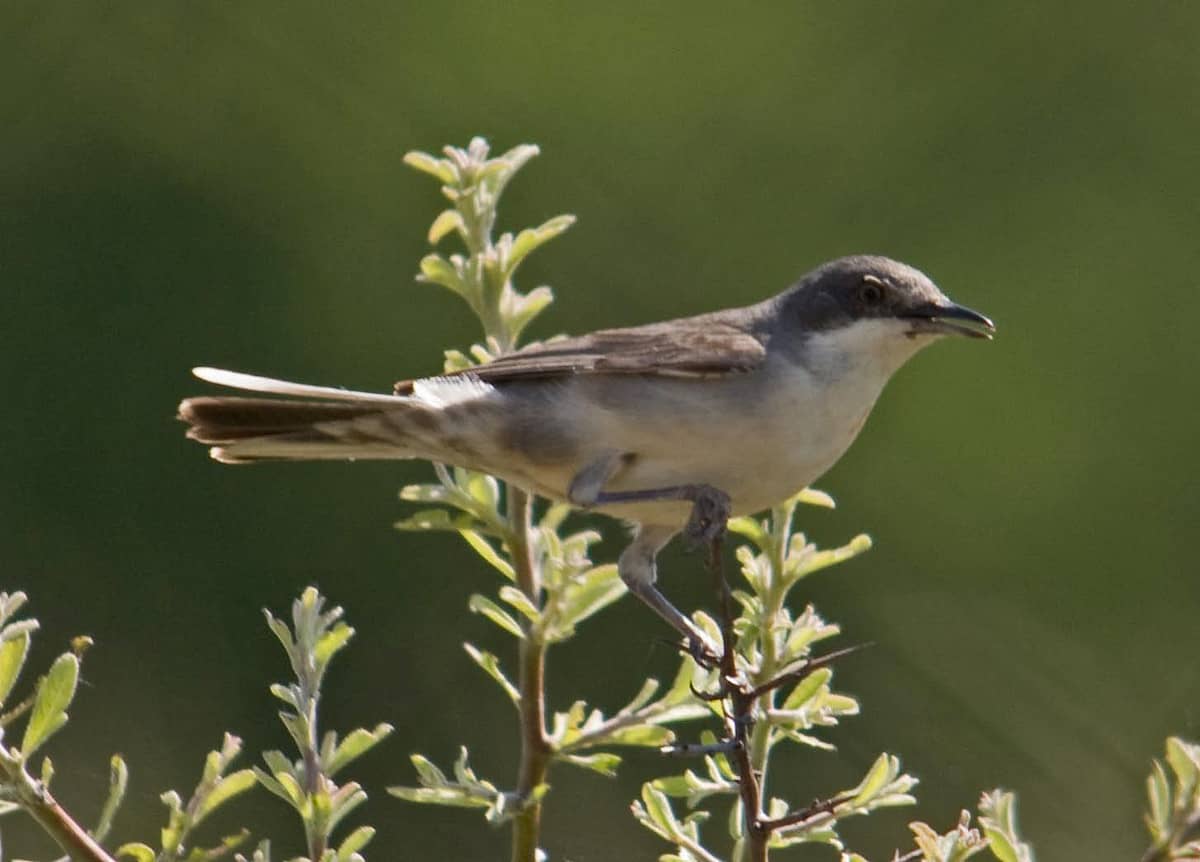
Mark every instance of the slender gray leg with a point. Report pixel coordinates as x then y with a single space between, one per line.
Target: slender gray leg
637 569
710 512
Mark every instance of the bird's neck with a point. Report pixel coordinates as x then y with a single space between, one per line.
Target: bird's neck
863 355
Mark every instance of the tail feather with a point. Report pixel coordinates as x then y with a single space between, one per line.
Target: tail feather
319 422
241 430
220 420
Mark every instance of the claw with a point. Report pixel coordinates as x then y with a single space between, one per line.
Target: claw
701 652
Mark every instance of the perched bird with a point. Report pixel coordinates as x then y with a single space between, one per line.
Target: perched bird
671 426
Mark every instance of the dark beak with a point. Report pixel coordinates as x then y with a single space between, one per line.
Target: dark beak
949 319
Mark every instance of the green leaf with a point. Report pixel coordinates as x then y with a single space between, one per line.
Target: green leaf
484 548
878 775
813 497
603 762
439 169
749 528
357 743
436 519
806 564
520 602
455 797
346 799
332 642
437 270
137 851
596 589
520 311
1185 763
12 658
428 772
479 604
530 239
118 781
54 695
808 688
449 220
643 735
659 814
225 789
997 816
491 666
355 841
645 693
483 489
1159 793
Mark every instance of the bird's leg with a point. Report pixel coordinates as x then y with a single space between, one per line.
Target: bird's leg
636 567
710 512
710 508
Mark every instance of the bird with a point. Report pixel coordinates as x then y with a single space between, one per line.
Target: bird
671 427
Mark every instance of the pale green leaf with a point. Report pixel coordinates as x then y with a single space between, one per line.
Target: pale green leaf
659 811
597 589
879 774
1159 793
521 310
483 605
137 851
997 816
436 519
357 743
355 841
118 781
331 642
225 789
813 497
439 169
602 762
520 602
643 735
530 239
347 798
452 796
449 220
54 695
12 658
1185 763
491 666
438 270
429 774
808 688
490 555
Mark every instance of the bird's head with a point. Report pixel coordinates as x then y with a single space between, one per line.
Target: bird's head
874 307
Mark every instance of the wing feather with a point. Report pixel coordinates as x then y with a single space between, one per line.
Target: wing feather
697 347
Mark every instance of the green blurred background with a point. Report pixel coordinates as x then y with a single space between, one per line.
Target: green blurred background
220 183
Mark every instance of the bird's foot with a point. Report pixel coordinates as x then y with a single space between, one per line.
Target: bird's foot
702 651
711 508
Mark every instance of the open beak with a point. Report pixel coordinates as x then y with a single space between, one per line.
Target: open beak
949 319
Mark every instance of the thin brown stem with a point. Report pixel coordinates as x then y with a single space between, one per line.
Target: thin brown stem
805 669
741 699
59 825
535 748
819 807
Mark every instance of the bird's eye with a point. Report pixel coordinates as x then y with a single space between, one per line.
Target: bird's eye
870 292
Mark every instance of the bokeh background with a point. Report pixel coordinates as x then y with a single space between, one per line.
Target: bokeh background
188 183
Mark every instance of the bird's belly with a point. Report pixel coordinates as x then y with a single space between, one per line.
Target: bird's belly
760 441
759 459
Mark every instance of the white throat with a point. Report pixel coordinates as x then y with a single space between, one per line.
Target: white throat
866 353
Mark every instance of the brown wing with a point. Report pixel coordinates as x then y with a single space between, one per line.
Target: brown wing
684 348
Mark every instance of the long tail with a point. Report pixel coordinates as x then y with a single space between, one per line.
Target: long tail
320 422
